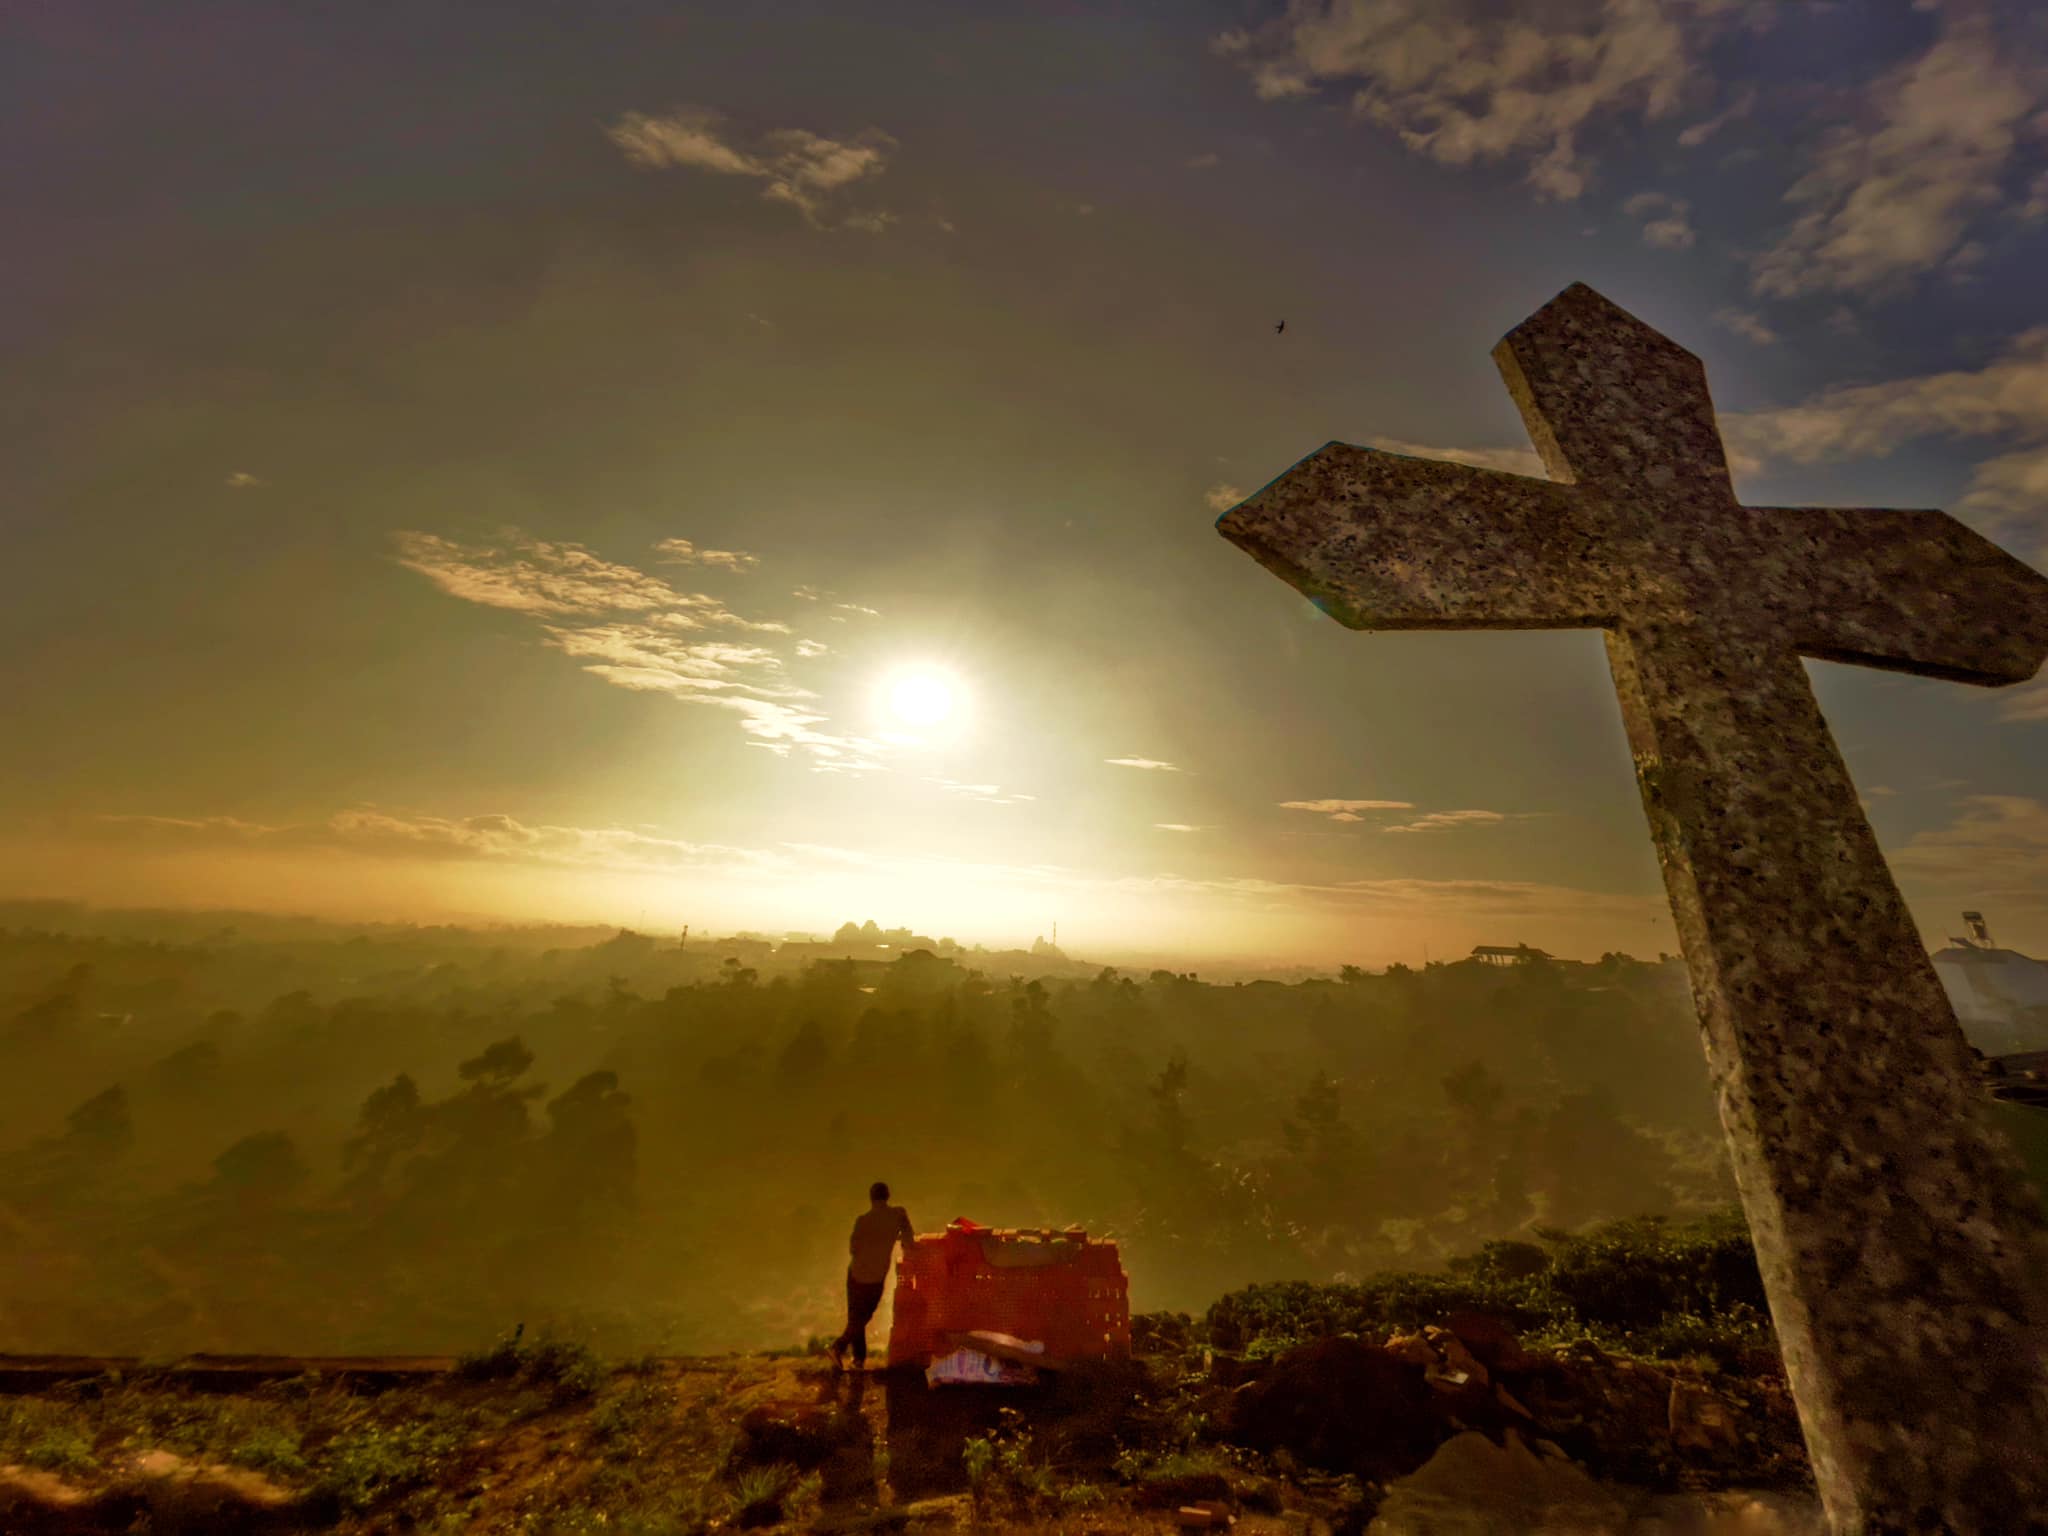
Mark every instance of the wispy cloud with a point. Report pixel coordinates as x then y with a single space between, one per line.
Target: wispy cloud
1465 84
535 576
1151 763
1698 134
1177 826
2029 703
1344 810
988 794
1513 461
242 480
683 552
2007 397
1996 849
1892 192
808 171
635 631
1747 324
1439 821
372 830
1666 222
1222 496
1203 162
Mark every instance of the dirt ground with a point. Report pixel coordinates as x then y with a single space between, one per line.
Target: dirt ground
557 1444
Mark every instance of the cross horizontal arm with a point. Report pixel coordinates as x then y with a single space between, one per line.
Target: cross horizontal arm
1906 590
1383 541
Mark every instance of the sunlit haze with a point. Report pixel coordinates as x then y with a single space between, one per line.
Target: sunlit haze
754 468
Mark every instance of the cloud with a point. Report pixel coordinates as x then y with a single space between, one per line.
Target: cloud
683 552
1513 461
1995 850
1463 84
810 648
242 480
1892 194
807 171
1177 826
369 830
1222 496
1699 133
1747 324
2030 703
1437 821
2007 397
1205 162
2035 208
988 794
1151 763
634 631
1672 231
533 576
1344 810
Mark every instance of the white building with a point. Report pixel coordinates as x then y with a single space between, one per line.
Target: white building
2000 995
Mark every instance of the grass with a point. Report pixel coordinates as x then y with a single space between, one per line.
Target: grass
570 1371
273 1449
1662 1289
361 1468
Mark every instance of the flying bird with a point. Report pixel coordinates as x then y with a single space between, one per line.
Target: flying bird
1280 327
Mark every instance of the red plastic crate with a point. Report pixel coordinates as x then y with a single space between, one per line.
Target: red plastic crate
1077 1304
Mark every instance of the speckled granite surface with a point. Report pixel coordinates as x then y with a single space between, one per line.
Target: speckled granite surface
1905 1258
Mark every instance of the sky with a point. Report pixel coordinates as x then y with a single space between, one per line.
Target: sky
501 462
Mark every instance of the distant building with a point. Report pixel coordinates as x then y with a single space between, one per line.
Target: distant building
1507 954
2000 995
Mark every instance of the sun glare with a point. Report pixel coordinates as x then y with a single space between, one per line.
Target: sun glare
922 699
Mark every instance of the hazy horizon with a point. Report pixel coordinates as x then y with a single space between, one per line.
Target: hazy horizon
748 465
1075 947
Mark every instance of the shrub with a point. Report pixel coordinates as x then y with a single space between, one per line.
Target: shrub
571 1371
1634 1274
1659 1287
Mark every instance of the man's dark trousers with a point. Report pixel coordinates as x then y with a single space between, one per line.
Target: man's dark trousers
861 1301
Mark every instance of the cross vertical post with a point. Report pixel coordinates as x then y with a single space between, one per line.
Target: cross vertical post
1904 1255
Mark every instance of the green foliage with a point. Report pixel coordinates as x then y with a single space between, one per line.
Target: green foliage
60 1450
362 1114
46 1435
758 1485
360 1468
270 1449
1657 1287
1631 1275
978 1459
569 1371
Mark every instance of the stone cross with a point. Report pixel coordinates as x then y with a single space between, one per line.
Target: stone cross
1905 1258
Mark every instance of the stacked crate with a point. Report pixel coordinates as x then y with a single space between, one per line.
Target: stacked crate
1077 1303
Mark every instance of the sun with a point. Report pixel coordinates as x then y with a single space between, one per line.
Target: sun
922 699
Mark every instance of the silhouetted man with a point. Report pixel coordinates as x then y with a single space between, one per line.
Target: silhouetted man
875 1236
